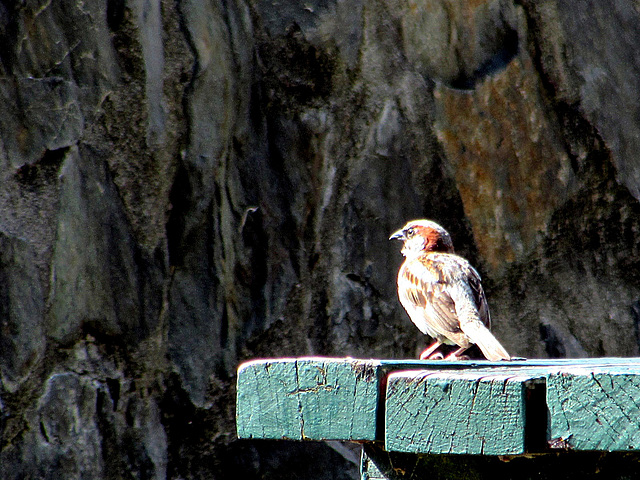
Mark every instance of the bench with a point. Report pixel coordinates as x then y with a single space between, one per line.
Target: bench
577 416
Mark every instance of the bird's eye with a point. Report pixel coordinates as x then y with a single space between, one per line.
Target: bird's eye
410 231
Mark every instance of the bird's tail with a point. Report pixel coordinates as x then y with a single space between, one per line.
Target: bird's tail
490 346
473 326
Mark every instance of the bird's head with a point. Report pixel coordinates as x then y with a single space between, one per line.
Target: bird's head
421 236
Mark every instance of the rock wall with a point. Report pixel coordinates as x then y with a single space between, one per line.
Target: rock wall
189 184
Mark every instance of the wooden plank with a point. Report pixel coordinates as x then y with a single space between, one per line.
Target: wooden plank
481 412
308 398
595 408
319 398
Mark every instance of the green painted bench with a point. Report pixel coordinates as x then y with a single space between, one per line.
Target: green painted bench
464 410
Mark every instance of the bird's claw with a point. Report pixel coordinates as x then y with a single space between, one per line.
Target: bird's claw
453 357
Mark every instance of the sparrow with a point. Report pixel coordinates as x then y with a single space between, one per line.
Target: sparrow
442 293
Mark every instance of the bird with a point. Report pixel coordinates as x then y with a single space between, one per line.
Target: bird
442 293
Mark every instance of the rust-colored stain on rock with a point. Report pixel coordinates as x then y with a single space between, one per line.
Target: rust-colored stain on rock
511 169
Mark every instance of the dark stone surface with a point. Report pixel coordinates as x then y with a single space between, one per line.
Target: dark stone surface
187 185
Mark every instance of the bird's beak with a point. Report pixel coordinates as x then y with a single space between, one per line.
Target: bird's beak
399 235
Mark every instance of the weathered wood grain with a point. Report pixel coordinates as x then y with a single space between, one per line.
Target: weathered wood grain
308 398
318 398
480 412
595 409
436 407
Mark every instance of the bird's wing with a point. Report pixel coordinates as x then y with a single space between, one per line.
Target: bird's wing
479 297
421 289
473 312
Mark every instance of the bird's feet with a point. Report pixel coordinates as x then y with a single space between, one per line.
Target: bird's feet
428 353
453 357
